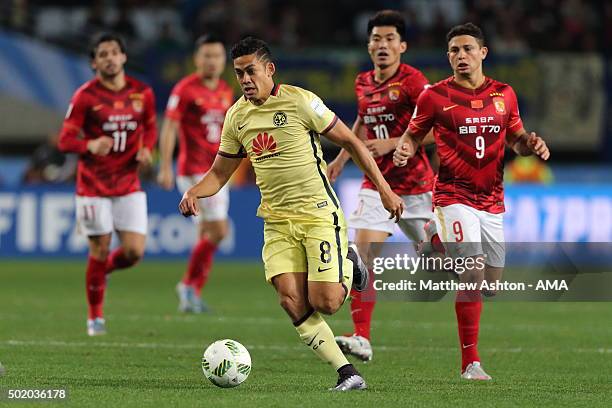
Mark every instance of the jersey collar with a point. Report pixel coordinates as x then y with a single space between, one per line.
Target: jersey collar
396 73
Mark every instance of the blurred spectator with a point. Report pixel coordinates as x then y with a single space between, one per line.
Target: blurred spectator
19 16
513 25
95 21
49 165
124 25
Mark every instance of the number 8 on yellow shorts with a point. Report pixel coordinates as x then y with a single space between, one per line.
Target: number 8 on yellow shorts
316 247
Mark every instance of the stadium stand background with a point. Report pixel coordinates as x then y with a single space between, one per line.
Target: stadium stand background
556 54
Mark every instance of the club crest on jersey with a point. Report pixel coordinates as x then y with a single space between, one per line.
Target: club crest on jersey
137 101
279 119
394 94
500 106
137 105
264 147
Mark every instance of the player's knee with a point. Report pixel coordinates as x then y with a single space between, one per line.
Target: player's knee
133 254
217 236
214 234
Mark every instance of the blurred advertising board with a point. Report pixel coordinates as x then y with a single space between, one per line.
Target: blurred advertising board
39 222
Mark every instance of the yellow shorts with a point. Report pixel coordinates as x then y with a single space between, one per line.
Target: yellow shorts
318 248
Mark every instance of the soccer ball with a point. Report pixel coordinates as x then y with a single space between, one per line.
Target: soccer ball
226 363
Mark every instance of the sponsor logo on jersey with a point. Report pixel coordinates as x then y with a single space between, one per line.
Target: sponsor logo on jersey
476 104
264 147
500 106
279 119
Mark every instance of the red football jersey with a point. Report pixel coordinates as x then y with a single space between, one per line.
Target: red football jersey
470 132
127 116
200 112
385 109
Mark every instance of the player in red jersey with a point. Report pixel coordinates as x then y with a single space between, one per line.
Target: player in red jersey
386 98
473 117
196 110
116 116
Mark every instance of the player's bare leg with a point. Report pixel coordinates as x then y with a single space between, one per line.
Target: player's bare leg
95 281
492 274
210 235
130 251
362 303
468 307
295 295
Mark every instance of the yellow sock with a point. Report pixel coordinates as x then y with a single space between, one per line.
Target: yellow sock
317 335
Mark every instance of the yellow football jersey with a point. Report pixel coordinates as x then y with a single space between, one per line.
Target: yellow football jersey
281 138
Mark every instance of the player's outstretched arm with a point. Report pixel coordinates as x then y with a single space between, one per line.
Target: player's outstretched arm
526 144
218 175
343 137
167 142
334 168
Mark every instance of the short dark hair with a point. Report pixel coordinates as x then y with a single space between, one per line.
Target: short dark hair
105 37
466 29
251 45
388 18
207 39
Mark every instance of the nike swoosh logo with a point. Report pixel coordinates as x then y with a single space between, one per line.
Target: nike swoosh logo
323 270
240 127
98 107
313 339
445 108
467 345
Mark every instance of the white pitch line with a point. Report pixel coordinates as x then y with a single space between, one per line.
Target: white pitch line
272 347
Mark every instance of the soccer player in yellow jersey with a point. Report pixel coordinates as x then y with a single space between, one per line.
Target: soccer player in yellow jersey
306 254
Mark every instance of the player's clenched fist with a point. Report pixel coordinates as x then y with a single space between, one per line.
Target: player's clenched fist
144 156
402 154
100 146
165 178
538 146
334 169
189 204
392 203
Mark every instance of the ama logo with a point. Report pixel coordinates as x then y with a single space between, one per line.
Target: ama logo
264 143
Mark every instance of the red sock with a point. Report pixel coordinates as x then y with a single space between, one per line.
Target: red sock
118 260
200 264
95 282
437 244
468 306
362 306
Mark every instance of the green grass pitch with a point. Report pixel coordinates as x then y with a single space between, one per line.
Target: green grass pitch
539 354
